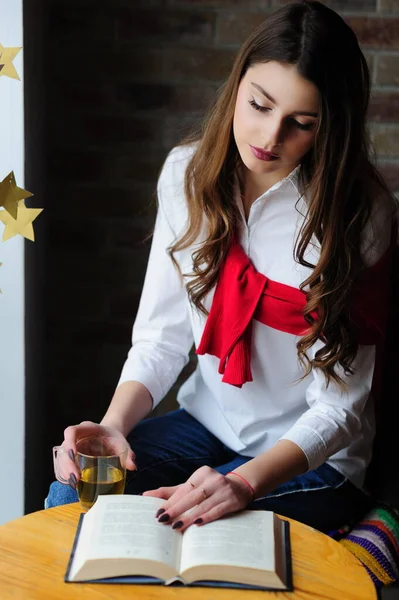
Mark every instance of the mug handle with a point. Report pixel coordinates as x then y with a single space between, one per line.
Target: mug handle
58 450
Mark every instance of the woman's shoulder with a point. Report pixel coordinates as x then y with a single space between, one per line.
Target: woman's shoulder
175 165
171 193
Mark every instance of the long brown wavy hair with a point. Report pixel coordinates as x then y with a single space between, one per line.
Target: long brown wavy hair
338 172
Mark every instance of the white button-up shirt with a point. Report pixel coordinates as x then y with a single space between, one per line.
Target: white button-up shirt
328 424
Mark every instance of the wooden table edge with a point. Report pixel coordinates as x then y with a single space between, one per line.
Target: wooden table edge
63 520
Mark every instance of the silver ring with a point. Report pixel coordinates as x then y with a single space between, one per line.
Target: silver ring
204 492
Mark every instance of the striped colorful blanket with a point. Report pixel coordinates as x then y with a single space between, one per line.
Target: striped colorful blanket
375 542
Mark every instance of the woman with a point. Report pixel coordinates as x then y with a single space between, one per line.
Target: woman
273 231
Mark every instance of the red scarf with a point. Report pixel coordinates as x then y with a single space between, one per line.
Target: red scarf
242 293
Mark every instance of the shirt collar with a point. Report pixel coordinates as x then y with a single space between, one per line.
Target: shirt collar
292 177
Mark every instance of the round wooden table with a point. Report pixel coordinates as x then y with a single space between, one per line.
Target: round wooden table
34 552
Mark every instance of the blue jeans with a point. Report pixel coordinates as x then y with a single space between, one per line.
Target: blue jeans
171 447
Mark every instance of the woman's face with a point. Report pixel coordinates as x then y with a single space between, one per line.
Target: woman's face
277 112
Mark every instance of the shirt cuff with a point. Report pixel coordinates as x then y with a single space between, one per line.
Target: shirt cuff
311 444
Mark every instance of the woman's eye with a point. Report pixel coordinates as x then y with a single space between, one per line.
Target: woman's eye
257 106
301 126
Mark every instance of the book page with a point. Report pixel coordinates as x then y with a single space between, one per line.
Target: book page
125 527
245 539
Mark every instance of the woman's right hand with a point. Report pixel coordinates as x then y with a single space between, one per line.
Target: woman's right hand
67 466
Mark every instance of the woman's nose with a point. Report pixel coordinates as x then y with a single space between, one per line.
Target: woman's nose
276 132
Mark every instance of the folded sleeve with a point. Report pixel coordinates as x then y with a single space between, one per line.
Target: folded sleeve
334 415
162 334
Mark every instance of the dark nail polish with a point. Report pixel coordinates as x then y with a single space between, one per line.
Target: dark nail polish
72 479
177 525
159 512
71 455
198 521
71 484
164 518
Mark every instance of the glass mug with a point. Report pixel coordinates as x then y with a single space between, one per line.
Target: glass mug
101 461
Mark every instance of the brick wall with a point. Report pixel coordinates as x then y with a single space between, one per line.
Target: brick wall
125 78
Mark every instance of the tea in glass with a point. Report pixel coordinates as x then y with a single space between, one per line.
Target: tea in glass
101 461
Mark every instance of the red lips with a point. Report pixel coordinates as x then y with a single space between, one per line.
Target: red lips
262 154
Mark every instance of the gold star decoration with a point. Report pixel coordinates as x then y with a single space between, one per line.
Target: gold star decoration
22 224
7 55
11 194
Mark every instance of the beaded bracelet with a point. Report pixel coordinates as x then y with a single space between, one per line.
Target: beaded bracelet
245 481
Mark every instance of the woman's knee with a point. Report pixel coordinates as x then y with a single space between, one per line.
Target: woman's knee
60 494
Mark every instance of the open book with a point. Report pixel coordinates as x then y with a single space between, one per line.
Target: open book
120 540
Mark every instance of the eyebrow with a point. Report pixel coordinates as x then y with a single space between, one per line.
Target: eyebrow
269 97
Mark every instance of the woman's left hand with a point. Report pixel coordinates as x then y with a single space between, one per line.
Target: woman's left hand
207 495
